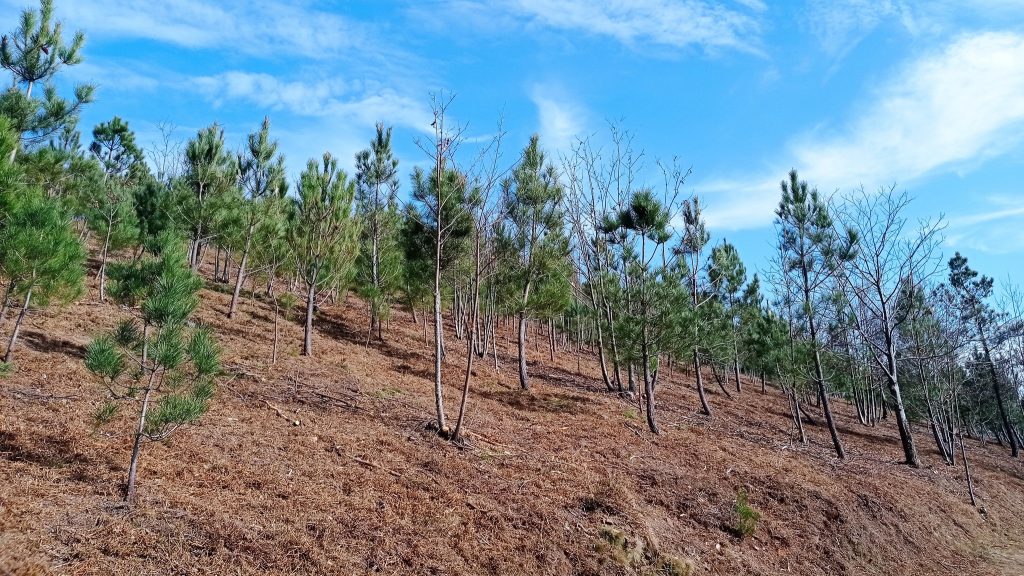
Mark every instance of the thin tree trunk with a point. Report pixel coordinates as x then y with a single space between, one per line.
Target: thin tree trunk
133 467
17 327
823 397
7 301
998 389
718 380
795 403
277 331
103 264
438 352
700 383
307 341
551 337
241 274
963 455
648 387
524 382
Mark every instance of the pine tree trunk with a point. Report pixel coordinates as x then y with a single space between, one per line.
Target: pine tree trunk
103 264
241 274
307 341
133 467
700 384
17 327
601 358
7 301
551 337
819 377
998 390
795 402
524 382
736 371
438 352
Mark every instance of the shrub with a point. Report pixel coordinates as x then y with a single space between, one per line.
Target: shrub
746 515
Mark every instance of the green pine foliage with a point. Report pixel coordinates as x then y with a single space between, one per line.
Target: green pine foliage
379 265
154 359
261 176
152 201
109 203
323 234
41 258
533 242
34 53
205 190
417 270
746 516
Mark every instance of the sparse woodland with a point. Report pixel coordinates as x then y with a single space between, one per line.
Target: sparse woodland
599 253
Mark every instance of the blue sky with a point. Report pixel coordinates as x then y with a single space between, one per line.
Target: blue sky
924 94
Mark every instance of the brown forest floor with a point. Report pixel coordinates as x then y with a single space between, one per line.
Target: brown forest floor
549 481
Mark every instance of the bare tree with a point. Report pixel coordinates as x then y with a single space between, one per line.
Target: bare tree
598 182
888 270
444 215
484 180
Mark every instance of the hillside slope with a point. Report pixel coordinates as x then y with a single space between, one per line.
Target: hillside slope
327 466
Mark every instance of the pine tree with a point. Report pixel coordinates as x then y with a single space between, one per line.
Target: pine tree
157 355
417 258
262 176
646 325
41 258
690 251
153 201
379 265
210 175
324 233
534 239
439 223
727 275
271 255
972 292
110 209
813 253
34 53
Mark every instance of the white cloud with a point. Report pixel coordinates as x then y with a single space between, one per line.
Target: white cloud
262 28
362 103
951 110
122 77
560 120
997 229
840 25
672 23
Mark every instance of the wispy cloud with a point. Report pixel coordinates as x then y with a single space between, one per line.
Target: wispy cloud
121 76
559 118
840 25
671 23
268 29
950 110
356 101
995 227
